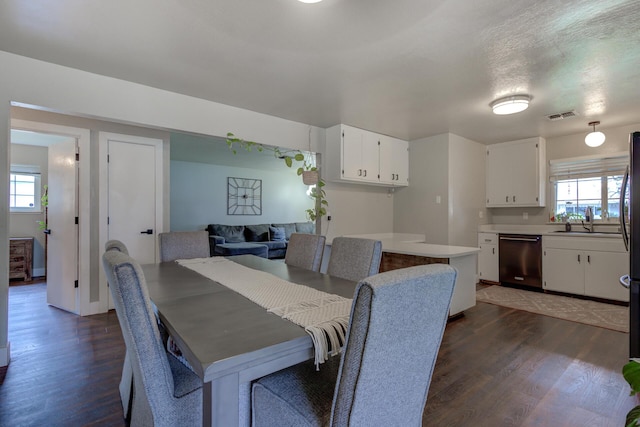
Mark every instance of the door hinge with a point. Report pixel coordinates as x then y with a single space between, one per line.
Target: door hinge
75 283
107 220
77 157
107 158
76 220
378 142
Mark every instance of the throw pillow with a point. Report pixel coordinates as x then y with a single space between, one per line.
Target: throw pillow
257 233
231 233
305 227
289 228
277 234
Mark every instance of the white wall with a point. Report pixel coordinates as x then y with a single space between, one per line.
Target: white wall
26 224
199 196
560 148
466 190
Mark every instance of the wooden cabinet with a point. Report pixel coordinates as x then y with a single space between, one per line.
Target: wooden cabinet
516 173
360 156
585 266
488 267
20 258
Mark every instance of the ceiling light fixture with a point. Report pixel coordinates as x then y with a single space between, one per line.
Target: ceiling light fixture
510 104
593 138
309 1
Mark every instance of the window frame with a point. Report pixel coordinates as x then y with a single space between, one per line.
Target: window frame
27 170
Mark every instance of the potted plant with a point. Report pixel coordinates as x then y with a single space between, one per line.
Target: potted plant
306 169
631 373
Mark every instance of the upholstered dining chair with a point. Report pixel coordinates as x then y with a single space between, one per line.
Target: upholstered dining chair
183 245
126 380
116 245
354 258
305 251
383 376
165 392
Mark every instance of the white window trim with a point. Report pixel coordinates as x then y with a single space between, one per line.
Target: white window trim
35 171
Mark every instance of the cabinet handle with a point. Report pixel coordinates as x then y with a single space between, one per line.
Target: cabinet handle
493 250
578 258
589 259
365 172
359 172
506 199
514 199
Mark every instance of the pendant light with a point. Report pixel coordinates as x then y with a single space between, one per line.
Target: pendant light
593 138
510 104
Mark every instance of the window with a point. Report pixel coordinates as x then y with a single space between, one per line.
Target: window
24 189
588 181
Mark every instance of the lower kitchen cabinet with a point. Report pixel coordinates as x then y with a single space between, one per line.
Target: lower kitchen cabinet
569 268
488 267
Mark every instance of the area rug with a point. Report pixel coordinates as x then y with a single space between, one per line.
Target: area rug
593 313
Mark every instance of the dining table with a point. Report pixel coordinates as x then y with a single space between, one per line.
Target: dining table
228 340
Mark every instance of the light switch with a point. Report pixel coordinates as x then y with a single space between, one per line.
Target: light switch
525 215
438 200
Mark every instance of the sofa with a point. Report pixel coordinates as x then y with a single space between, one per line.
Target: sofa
265 240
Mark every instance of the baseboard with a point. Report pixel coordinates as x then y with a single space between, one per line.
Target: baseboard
4 355
39 272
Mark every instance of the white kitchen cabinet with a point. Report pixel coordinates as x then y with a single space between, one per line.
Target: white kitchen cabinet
488 267
516 173
585 266
360 156
394 161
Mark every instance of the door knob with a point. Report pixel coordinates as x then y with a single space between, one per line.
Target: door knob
147 231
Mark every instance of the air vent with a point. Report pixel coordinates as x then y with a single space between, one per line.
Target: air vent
560 116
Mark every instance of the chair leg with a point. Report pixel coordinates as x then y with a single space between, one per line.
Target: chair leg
126 384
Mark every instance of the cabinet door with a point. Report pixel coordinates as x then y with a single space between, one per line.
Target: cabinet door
488 263
564 270
525 178
370 156
603 269
352 153
394 161
499 166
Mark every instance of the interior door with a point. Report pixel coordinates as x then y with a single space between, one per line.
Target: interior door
62 251
132 196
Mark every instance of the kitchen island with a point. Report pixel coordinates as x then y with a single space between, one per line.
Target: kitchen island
400 250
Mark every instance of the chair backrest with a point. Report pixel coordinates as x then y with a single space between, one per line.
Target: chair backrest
305 251
395 330
153 380
116 245
354 258
183 245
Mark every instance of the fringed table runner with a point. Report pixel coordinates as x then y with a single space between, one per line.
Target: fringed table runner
324 316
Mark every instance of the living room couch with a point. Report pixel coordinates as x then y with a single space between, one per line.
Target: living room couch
226 240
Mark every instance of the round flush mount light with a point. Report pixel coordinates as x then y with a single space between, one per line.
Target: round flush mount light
309 1
510 104
593 138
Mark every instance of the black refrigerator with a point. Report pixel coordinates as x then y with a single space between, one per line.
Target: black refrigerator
631 237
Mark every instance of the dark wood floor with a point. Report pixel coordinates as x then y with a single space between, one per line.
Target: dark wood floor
497 367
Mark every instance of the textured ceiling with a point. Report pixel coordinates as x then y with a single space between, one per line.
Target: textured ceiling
406 68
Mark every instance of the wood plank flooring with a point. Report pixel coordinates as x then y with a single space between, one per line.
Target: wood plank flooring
497 367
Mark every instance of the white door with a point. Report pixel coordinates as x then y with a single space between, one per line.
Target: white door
62 243
132 197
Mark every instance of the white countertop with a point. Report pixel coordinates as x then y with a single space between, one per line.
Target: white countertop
414 244
601 230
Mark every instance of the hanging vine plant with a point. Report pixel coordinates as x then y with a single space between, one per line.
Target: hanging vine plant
306 169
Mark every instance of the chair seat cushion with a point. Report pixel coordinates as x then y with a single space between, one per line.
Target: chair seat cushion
296 396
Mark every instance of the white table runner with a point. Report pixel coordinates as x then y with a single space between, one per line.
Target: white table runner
324 316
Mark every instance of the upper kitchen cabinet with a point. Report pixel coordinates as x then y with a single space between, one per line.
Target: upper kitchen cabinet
360 156
516 173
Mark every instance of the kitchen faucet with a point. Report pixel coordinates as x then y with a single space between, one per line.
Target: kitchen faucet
588 215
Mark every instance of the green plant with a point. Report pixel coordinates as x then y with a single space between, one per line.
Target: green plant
289 157
44 202
631 373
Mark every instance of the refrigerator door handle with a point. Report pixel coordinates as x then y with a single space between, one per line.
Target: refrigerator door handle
625 281
623 224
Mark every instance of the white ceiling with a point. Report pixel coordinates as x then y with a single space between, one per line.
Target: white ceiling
406 68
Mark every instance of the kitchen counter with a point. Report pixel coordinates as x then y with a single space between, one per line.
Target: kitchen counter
403 250
601 230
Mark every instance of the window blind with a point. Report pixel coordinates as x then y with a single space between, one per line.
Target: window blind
588 166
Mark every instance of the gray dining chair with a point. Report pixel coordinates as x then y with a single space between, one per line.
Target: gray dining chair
383 376
183 245
165 392
305 251
354 258
126 380
116 245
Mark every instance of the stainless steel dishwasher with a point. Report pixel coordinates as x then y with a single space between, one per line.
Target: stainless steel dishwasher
520 259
